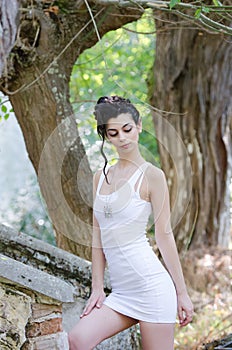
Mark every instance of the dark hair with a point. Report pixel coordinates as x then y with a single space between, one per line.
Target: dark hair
111 107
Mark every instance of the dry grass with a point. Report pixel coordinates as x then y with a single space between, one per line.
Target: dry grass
208 275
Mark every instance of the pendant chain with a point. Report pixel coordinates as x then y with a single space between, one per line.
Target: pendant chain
108 211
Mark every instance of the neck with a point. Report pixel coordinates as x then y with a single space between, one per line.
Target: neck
128 160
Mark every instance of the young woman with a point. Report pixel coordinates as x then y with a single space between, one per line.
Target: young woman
125 195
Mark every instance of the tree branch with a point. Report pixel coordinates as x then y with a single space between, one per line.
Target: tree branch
179 9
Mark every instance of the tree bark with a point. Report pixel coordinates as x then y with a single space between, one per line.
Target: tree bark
8 29
39 68
192 88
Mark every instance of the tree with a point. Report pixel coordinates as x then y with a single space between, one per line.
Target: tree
193 82
50 38
48 43
8 29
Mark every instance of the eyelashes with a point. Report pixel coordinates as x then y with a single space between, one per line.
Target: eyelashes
113 134
128 130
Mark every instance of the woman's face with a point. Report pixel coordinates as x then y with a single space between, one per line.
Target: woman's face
122 132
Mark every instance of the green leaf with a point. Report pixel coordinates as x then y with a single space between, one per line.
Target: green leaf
217 3
173 3
197 13
6 116
4 109
205 9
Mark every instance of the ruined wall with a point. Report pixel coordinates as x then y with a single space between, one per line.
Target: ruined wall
43 290
29 320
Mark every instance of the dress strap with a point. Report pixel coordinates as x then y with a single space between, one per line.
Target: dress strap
144 168
138 175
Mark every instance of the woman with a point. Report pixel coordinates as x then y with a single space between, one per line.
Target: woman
143 290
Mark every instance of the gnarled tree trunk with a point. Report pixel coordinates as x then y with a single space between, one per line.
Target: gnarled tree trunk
193 80
49 41
8 29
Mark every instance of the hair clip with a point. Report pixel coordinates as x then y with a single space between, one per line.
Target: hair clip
112 99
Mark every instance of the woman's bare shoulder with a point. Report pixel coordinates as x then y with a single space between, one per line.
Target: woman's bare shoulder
96 176
154 173
157 182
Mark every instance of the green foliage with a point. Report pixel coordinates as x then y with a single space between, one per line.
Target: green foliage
205 9
217 3
5 110
173 3
118 64
199 11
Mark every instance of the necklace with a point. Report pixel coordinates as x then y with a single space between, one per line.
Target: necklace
108 212
108 208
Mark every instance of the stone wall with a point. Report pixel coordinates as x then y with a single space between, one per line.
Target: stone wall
43 290
30 320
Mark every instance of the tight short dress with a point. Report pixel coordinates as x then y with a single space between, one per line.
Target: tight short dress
141 286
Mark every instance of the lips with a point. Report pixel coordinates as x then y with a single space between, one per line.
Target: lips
125 146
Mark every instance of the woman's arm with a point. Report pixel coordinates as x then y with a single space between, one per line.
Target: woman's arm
98 258
166 243
98 265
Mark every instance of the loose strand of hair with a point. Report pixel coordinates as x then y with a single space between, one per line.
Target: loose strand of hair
106 161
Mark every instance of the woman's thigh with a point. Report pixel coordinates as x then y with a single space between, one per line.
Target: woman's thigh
157 336
98 325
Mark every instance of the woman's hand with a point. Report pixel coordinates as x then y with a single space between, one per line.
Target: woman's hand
185 309
96 300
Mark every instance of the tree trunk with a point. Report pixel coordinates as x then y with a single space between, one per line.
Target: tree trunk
8 29
39 68
192 88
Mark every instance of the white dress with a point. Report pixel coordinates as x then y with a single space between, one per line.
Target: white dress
141 286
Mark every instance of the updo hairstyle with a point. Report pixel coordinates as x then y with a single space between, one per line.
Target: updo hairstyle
108 107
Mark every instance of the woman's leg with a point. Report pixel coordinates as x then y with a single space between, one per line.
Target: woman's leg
98 325
157 336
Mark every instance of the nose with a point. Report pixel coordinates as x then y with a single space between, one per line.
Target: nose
121 135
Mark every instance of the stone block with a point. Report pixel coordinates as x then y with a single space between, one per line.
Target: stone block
44 311
72 312
36 329
15 311
36 280
57 341
126 340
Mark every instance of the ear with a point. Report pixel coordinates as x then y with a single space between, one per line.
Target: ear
139 125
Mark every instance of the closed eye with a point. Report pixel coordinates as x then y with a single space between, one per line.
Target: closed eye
111 134
128 129
114 132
